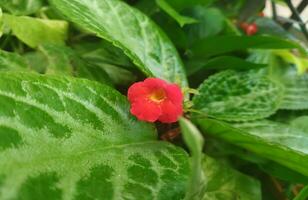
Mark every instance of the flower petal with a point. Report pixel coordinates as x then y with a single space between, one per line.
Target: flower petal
145 110
155 83
174 94
136 91
170 112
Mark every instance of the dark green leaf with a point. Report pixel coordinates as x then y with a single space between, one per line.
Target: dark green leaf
130 30
224 44
210 23
66 138
272 140
225 62
181 19
62 60
238 96
110 59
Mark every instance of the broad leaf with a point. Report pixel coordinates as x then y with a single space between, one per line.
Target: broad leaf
223 182
130 30
238 96
181 19
224 44
64 138
35 31
272 140
21 7
224 62
12 62
194 141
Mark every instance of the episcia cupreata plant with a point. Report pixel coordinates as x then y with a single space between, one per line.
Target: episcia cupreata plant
90 90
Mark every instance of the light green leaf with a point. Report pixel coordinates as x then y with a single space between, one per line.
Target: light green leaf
35 31
275 141
238 96
65 138
300 63
300 123
181 19
130 30
295 85
21 7
194 141
12 62
224 183
225 44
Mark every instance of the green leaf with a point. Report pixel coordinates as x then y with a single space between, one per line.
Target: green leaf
110 59
295 85
130 30
35 31
12 62
275 141
194 141
225 44
181 19
300 123
300 63
223 182
35 60
21 7
65 138
238 96
269 26
103 51
225 62
62 60
211 21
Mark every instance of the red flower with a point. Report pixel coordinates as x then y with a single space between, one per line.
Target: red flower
154 99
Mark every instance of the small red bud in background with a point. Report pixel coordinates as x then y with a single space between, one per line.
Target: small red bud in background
251 29
261 14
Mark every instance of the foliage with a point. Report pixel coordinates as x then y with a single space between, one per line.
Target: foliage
66 130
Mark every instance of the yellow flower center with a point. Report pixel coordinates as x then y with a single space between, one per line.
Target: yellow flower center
157 95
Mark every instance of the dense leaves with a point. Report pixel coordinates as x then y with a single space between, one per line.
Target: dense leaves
140 38
67 69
